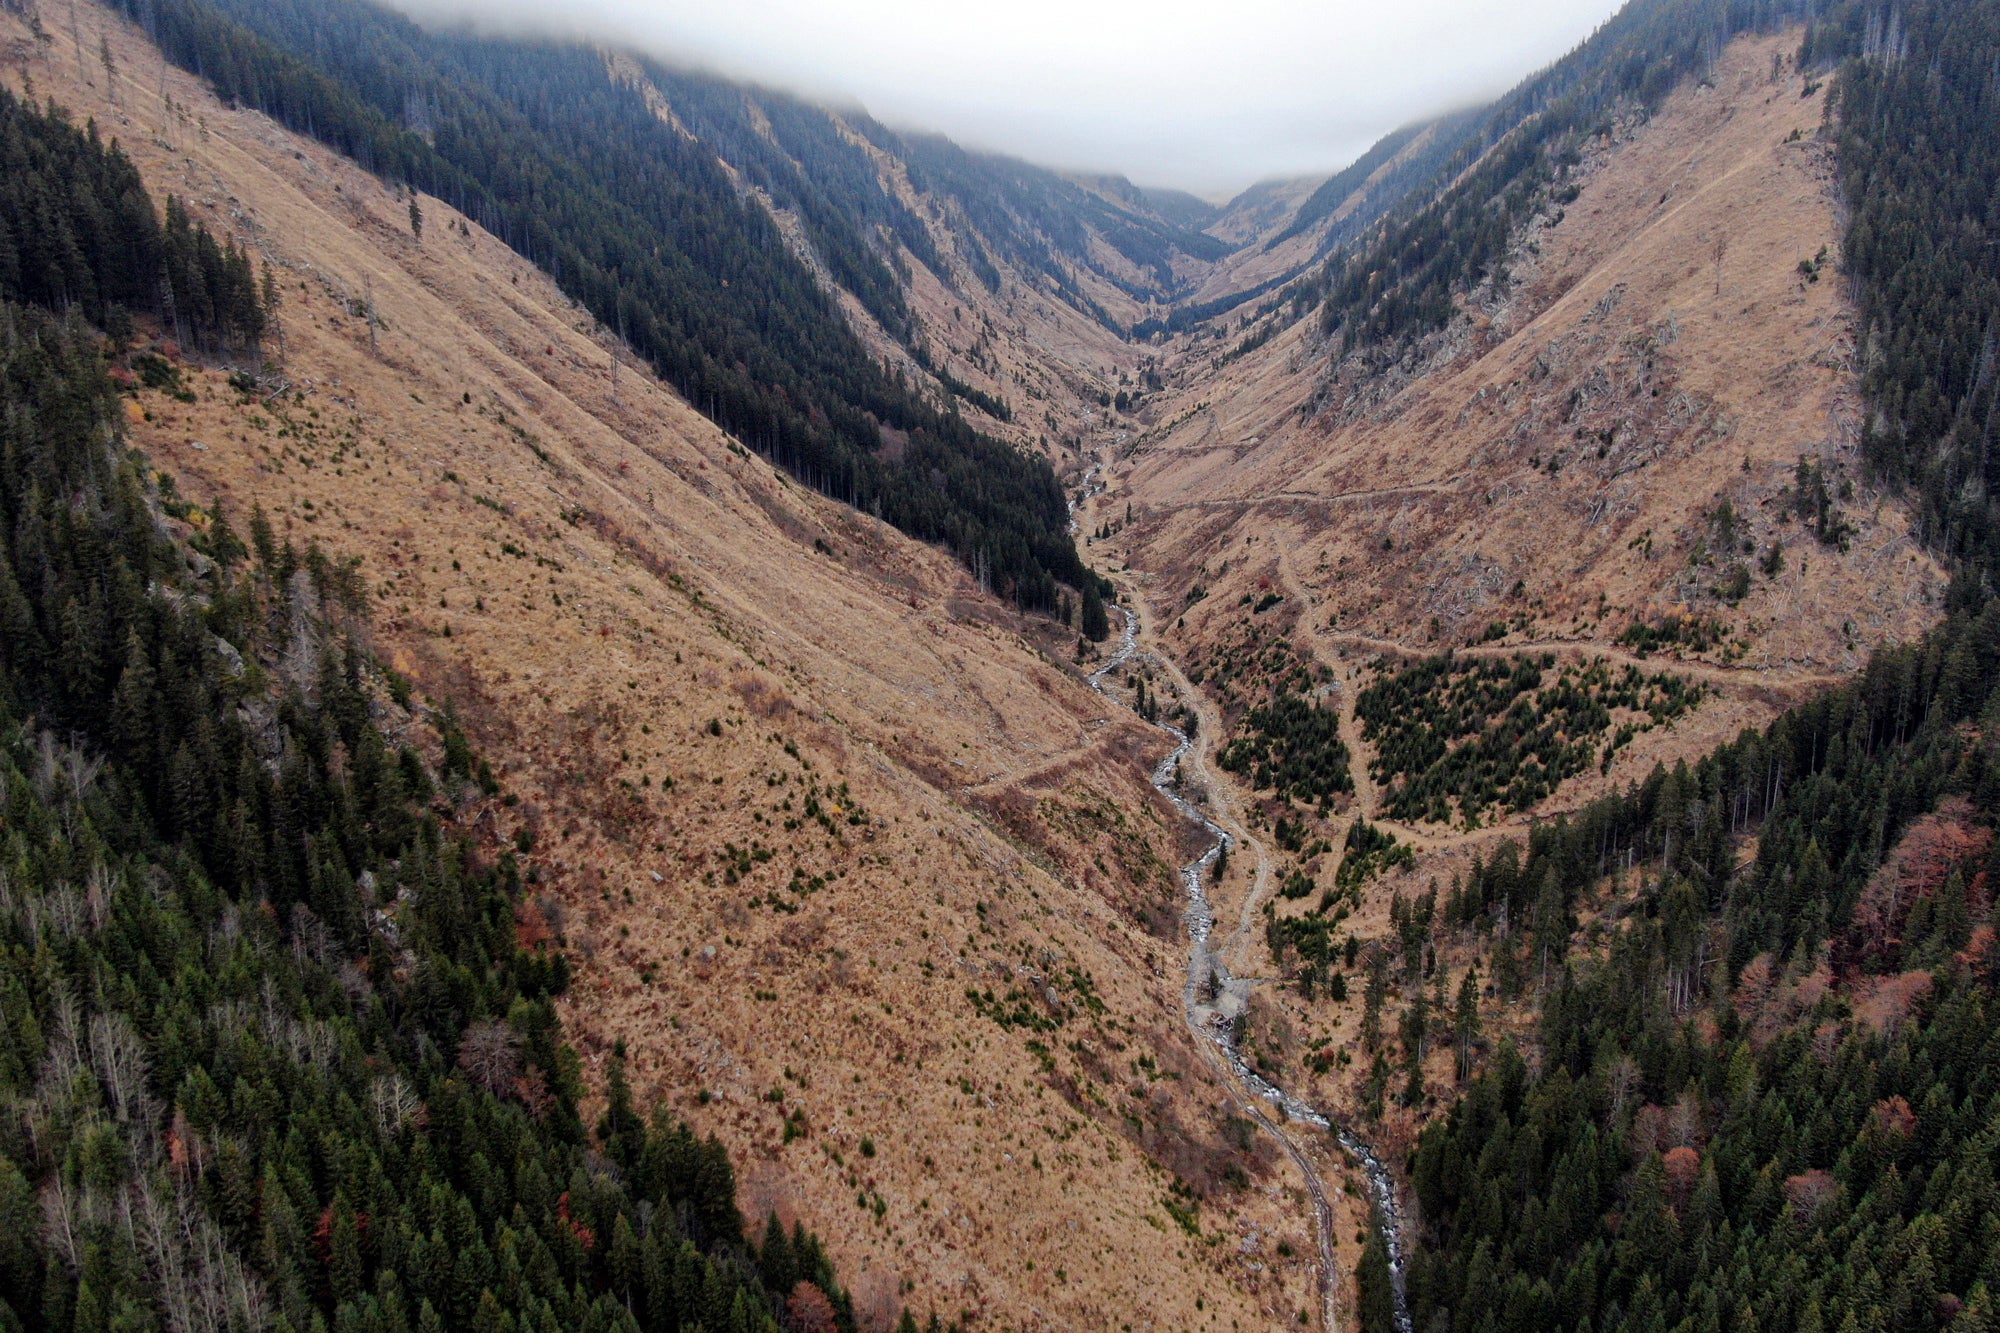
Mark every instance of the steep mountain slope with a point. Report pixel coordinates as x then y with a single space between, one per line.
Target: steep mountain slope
654 195
1855 971
1019 282
1278 245
1694 982
1184 209
517 134
834 837
646 228
856 864
1263 208
273 1051
1639 450
1557 466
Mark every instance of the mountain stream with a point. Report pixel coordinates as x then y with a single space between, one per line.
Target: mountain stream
1208 980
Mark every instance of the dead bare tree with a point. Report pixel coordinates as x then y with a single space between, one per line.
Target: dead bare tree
395 1103
119 1058
202 1287
490 1054
60 1220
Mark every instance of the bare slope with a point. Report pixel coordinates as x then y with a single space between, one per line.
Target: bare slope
866 880
1659 352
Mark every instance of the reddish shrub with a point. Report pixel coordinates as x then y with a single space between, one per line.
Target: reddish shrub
531 927
1683 1166
581 1230
1893 1117
1921 862
809 1311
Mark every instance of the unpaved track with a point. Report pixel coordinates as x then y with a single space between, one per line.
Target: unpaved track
1783 682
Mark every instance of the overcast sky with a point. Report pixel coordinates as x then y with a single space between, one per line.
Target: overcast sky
1207 97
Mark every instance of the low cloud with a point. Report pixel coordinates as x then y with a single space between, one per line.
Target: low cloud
1204 97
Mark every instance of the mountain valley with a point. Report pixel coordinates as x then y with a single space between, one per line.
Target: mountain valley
870 599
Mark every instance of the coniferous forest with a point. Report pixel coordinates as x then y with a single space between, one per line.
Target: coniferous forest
272 1053
77 230
1772 1100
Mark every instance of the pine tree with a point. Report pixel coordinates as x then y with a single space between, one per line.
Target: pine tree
1096 624
1951 926
1376 1312
1465 1022
1377 993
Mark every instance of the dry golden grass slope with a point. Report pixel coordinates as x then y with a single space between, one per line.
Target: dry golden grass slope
863 873
1659 353
1552 464
792 787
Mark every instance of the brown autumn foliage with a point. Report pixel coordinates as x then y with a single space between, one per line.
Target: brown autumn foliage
1923 859
1885 1003
1683 1167
809 1311
1893 1117
1768 998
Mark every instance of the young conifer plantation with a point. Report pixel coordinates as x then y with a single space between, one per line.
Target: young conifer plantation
271 1054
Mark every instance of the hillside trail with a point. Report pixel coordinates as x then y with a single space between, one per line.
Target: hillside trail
1367 794
1436 838
1212 996
1313 497
1367 797
1804 684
